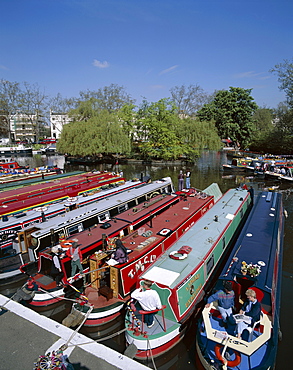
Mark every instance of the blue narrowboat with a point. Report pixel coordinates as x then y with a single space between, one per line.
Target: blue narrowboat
255 263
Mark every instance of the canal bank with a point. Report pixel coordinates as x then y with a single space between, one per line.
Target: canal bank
26 335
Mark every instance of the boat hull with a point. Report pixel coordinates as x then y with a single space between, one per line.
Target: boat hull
261 241
183 292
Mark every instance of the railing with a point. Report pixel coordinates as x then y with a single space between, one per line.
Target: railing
135 324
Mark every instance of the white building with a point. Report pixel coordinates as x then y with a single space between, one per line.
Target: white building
57 120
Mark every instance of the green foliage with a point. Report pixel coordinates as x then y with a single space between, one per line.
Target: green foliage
263 119
155 129
101 133
163 135
232 112
126 116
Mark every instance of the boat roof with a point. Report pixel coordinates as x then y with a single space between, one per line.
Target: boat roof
60 182
102 205
200 237
257 242
41 194
52 208
14 182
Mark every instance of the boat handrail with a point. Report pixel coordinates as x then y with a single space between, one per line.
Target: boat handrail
240 345
142 312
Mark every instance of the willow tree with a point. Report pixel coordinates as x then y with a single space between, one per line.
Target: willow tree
100 134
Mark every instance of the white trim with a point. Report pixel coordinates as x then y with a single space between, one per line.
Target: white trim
145 345
240 345
102 314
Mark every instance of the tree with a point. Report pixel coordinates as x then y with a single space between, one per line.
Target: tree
111 98
9 104
127 117
34 104
58 104
285 77
196 135
263 119
232 112
101 134
188 99
155 126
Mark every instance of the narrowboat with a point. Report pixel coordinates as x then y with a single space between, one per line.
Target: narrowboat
19 182
16 151
145 245
9 166
40 195
183 274
282 173
237 164
116 216
254 263
15 230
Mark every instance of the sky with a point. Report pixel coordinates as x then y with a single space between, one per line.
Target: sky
146 46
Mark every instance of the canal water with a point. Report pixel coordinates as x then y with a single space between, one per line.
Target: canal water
206 170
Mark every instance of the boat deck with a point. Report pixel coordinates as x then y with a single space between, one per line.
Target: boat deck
99 301
251 362
161 324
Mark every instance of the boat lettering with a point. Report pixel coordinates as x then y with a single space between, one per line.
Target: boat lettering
195 292
140 265
192 280
8 232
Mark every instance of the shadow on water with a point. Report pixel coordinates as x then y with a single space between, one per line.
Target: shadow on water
208 169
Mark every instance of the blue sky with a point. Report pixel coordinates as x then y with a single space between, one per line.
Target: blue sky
147 46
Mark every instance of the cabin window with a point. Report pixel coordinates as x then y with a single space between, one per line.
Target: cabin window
132 204
224 242
210 264
103 217
75 229
6 252
50 191
9 201
141 199
31 223
70 185
122 208
241 213
113 212
90 222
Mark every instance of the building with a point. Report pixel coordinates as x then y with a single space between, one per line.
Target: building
57 120
25 126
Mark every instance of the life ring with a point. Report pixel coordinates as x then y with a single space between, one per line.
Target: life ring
176 255
219 356
66 244
41 209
